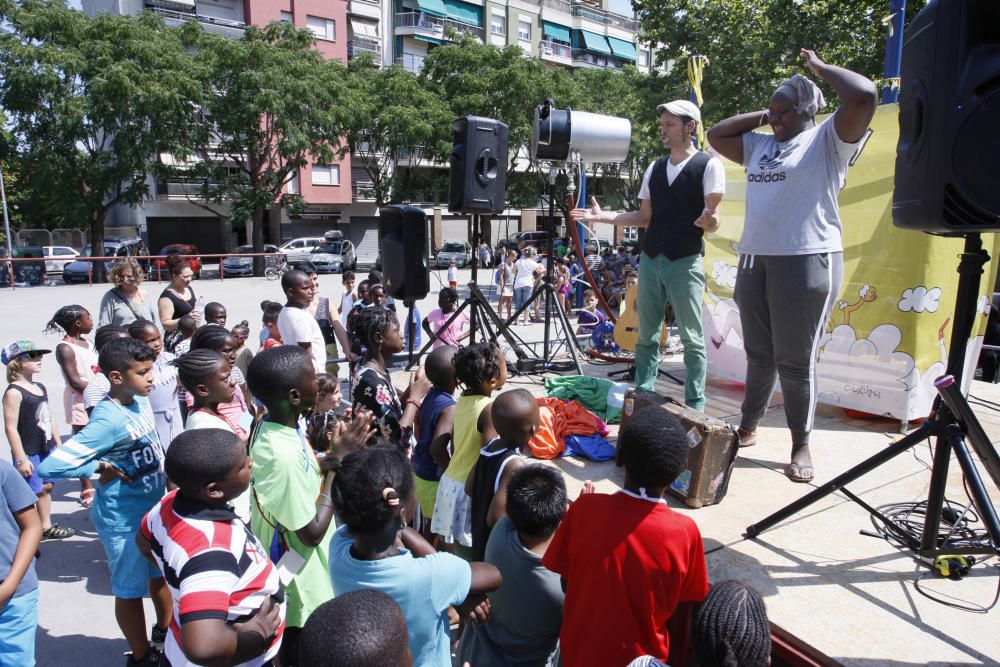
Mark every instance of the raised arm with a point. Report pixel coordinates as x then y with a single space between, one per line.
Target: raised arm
727 136
857 92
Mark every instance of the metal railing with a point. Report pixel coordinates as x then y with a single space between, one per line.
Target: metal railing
545 47
359 45
596 59
436 25
200 18
364 191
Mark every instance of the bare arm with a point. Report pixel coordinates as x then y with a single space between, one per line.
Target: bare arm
416 543
709 219
166 309
857 92
215 643
27 546
313 532
485 578
11 410
67 363
727 136
442 436
638 218
498 507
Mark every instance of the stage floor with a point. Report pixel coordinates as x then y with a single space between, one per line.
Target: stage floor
848 595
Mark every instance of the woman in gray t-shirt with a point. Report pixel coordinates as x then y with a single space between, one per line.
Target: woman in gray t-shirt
791 254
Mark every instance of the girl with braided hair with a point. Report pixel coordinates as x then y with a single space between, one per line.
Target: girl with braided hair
378 331
77 359
730 628
237 412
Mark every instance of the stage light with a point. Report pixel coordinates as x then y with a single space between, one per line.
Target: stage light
558 134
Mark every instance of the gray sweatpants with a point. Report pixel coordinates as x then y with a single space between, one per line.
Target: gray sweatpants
785 302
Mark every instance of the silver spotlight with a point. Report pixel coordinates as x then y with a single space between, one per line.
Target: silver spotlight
559 133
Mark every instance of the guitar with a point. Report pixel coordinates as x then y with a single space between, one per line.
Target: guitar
627 326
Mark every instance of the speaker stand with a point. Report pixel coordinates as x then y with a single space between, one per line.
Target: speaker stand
952 423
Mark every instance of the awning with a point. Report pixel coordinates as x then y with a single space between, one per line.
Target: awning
429 40
594 42
435 7
623 49
554 31
463 12
363 28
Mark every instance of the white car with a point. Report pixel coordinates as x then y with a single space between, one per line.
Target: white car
58 256
298 250
460 251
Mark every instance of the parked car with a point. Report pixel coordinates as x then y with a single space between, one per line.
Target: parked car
519 241
30 273
460 251
234 266
159 269
114 246
335 255
298 250
58 256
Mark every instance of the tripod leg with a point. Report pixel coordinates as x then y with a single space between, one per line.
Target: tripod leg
436 336
935 495
842 479
980 498
952 395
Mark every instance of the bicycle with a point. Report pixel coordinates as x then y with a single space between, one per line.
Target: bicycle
275 271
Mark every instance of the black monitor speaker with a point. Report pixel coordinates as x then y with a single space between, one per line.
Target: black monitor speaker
949 120
478 166
402 236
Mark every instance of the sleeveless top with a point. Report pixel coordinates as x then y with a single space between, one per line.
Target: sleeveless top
85 361
324 318
34 420
467 440
489 469
433 405
675 207
181 306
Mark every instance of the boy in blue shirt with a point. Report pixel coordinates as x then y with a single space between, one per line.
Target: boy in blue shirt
20 533
120 443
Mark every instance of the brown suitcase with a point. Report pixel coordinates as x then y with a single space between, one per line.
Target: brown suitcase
712 454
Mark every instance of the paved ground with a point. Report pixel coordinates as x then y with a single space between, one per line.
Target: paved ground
850 595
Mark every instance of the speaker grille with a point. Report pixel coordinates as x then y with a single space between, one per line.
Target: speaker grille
959 212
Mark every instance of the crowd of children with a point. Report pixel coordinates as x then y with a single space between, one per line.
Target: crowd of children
271 526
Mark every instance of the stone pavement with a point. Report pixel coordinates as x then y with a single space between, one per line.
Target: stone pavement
850 595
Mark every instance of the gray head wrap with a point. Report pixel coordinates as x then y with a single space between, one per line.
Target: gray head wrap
805 95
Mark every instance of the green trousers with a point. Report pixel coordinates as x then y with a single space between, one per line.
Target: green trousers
680 282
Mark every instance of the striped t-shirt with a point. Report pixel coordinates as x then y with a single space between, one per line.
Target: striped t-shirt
214 567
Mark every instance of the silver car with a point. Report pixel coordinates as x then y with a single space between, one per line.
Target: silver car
233 265
334 256
460 251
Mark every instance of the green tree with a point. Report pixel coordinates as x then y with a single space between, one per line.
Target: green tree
272 104
91 101
391 112
753 44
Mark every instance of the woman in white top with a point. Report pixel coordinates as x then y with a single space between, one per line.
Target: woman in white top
525 271
791 253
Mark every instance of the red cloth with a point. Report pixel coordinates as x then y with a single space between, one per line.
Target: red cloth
628 563
557 419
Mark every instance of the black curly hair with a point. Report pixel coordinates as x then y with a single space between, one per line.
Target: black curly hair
64 318
372 322
730 628
367 484
199 457
477 364
108 333
211 337
137 327
653 447
355 629
449 294
536 499
275 372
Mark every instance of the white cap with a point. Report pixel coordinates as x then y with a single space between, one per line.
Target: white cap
681 108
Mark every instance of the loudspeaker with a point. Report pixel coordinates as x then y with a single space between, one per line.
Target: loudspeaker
478 166
402 237
949 115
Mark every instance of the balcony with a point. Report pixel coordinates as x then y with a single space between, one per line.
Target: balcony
589 13
360 45
425 25
367 8
554 52
411 62
225 27
585 58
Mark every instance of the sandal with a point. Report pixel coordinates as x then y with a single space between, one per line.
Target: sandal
57 532
800 473
87 498
747 438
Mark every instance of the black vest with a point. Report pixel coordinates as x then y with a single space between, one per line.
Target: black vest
671 230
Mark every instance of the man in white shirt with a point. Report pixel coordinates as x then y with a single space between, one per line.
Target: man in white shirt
680 198
295 324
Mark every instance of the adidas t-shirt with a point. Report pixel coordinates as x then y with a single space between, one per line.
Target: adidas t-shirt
792 186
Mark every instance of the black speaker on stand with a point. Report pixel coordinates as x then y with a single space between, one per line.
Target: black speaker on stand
402 236
948 120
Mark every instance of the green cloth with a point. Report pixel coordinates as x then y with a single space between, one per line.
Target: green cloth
286 483
590 392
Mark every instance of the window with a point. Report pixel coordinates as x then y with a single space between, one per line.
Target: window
498 25
292 184
286 17
524 31
326 174
322 28
643 58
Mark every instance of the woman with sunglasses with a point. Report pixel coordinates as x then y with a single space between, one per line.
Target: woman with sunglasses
127 302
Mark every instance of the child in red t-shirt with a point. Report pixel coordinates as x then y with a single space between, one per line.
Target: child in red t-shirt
628 561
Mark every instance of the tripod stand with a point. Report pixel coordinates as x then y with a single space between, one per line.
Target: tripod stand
952 423
548 292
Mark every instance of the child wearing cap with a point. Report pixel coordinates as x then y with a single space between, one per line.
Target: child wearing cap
30 427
